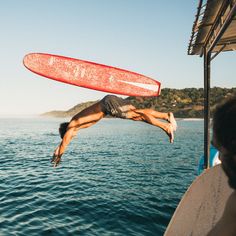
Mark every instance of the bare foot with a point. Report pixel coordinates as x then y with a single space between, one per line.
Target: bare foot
170 132
172 120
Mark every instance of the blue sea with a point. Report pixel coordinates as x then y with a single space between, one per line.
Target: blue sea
118 177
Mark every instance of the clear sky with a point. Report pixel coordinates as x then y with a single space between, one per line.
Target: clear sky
149 37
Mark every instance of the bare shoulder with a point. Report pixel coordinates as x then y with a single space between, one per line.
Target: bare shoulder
73 123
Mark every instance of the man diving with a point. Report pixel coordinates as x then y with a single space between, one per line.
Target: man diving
116 107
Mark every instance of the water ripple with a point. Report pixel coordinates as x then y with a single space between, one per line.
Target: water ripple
125 180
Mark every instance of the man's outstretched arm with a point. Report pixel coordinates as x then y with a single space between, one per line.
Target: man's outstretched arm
70 133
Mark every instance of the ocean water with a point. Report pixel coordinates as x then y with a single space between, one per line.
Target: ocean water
118 177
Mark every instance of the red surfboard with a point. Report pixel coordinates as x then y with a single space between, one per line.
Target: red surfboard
91 75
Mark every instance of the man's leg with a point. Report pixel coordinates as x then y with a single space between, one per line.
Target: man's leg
156 114
160 115
145 117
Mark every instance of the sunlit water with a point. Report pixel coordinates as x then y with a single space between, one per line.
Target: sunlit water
117 178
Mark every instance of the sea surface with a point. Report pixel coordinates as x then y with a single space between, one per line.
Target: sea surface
118 177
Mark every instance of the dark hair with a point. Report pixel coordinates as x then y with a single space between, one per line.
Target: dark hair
224 124
63 128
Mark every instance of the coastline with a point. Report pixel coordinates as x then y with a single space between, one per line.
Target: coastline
189 119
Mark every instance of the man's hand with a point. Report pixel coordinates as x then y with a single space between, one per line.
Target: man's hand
56 157
56 160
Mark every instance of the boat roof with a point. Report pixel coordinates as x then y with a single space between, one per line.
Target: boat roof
211 16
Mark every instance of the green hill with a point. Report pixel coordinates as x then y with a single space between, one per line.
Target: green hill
70 112
184 103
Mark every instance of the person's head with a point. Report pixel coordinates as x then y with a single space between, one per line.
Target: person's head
224 137
63 128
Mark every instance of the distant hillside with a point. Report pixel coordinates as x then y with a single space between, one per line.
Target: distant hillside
185 103
70 112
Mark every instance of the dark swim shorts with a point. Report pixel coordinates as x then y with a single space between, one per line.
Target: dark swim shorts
115 106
